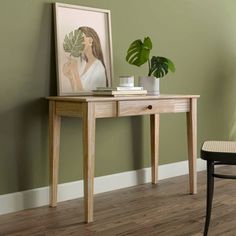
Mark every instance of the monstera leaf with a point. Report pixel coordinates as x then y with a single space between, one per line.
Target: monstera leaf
73 43
138 52
160 66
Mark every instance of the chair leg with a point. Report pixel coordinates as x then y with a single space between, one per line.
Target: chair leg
210 191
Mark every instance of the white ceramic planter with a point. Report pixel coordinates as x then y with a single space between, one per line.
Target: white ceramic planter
151 84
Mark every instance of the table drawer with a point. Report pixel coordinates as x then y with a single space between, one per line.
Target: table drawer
132 108
105 109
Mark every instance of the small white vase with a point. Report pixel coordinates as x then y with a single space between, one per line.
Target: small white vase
151 84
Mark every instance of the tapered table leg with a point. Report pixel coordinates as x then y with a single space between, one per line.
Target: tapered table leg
154 126
89 124
54 147
192 145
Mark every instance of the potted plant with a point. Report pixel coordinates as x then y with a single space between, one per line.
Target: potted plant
139 54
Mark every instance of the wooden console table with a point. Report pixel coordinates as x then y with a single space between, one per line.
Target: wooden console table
90 108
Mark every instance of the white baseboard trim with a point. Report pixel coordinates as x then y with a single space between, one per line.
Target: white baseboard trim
39 197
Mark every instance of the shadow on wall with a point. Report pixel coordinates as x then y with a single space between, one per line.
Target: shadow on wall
24 146
44 80
228 87
220 97
53 76
32 150
24 122
31 145
137 138
231 102
45 61
33 122
232 135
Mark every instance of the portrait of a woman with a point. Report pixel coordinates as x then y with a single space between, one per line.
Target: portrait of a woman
88 71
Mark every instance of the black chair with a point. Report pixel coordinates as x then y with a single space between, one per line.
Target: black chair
216 153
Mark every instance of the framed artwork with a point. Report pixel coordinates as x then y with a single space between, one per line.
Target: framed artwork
83 49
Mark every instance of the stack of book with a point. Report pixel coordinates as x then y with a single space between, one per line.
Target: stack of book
119 91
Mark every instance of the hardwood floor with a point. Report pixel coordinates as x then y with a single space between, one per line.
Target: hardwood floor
163 210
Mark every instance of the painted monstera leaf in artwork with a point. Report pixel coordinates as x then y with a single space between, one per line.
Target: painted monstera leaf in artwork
73 43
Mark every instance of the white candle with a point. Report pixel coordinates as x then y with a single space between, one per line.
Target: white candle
126 81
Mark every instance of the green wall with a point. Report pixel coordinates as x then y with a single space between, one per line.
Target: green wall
199 36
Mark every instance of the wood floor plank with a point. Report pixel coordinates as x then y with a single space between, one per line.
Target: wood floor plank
165 209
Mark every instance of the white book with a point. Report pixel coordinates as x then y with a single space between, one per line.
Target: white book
119 93
119 88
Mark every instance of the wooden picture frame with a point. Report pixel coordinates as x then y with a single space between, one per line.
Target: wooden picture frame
83 49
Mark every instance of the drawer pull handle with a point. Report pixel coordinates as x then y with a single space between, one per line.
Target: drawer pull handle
149 107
